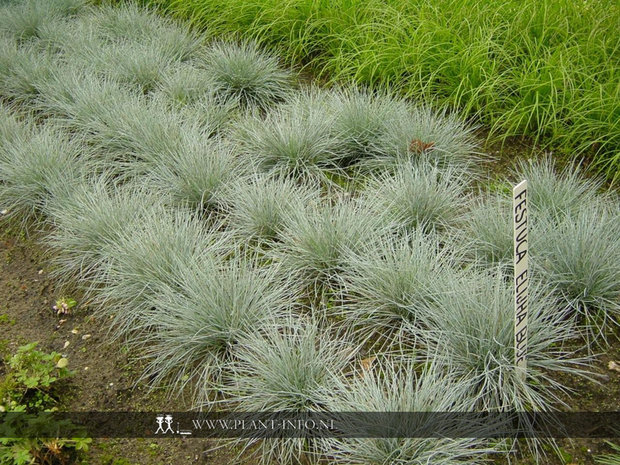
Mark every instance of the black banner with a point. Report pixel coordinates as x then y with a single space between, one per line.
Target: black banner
310 425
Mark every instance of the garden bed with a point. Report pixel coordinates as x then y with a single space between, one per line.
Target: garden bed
265 244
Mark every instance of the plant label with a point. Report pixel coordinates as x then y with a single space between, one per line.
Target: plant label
521 278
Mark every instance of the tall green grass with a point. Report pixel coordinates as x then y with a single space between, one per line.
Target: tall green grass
543 69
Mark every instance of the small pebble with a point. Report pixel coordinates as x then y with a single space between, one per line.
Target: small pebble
41 271
4 212
66 344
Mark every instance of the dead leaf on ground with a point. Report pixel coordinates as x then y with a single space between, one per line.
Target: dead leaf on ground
367 363
614 366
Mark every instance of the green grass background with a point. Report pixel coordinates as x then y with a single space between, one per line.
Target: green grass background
547 69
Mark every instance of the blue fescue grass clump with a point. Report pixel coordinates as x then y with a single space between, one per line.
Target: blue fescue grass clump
196 173
12 128
22 70
36 165
87 222
488 230
424 133
295 139
130 23
557 192
258 205
195 334
397 385
288 367
362 119
122 126
388 285
316 239
136 65
420 195
149 258
26 20
245 74
139 59
580 258
184 84
471 333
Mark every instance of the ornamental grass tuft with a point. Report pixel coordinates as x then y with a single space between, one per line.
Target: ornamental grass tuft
245 74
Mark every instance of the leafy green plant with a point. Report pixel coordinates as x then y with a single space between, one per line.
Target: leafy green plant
49 451
64 305
30 382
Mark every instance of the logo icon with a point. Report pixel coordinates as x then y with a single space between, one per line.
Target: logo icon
161 427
